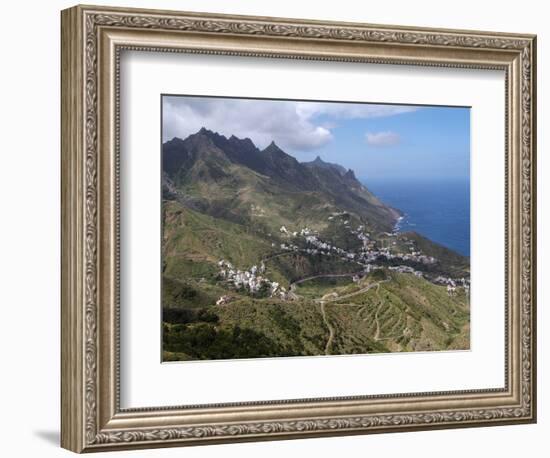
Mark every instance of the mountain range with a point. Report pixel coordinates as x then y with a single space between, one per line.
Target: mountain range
231 177
263 255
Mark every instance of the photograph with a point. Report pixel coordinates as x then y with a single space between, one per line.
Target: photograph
313 228
281 227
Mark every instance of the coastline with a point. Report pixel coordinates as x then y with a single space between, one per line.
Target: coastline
436 209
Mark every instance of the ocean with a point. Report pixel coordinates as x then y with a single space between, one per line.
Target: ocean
436 209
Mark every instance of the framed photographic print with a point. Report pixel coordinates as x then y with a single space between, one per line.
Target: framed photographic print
278 228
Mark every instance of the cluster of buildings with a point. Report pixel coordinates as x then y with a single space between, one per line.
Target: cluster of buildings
317 246
289 247
336 215
224 300
255 282
453 284
406 270
368 253
251 280
364 237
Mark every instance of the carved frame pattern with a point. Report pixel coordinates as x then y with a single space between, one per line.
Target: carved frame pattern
93 19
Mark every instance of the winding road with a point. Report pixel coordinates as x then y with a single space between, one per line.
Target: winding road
346 296
294 283
355 293
322 302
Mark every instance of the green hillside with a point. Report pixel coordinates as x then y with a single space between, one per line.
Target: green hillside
263 256
402 313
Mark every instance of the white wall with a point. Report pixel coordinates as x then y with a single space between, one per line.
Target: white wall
29 242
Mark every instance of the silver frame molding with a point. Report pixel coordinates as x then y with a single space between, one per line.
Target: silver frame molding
92 40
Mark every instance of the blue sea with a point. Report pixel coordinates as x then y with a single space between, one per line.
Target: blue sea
436 209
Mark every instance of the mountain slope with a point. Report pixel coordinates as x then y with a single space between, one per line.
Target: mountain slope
391 316
233 179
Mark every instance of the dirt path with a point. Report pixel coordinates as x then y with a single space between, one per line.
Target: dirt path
327 322
292 287
376 320
276 255
355 293
330 329
325 275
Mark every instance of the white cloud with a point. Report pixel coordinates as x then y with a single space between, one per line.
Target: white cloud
351 110
386 138
297 126
260 121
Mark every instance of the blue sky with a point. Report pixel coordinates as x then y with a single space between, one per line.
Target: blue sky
432 142
379 142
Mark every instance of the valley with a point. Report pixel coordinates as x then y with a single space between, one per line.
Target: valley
264 256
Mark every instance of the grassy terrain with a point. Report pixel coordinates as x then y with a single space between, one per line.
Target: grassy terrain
226 200
404 313
400 312
321 286
193 244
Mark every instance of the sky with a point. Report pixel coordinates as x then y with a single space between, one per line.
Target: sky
376 141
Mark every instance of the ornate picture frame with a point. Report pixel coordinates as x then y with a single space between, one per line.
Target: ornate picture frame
92 41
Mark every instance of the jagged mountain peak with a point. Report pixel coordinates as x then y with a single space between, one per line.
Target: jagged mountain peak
273 148
350 174
209 134
318 162
204 131
285 165
208 158
174 141
246 142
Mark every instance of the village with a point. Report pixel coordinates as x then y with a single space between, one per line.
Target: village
251 281
364 257
369 257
